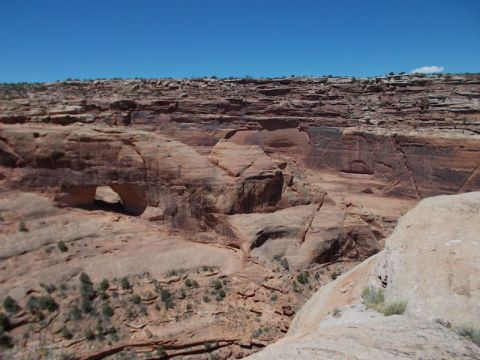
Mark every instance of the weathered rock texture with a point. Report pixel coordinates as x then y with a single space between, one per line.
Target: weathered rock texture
401 135
251 179
431 262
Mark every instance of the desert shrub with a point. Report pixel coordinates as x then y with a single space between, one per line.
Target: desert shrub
46 302
189 307
22 226
166 297
5 340
161 353
125 284
33 306
221 293
104 285
107 310
217 284
136 299
89 335
75 313
49 288
374 298
394 308
274 297
188 283
5 324
66 333
303 277
62 246
284 263
473 333
206 298
85 279
10 305
86 305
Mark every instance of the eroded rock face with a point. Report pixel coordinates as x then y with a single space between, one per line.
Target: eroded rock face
367 335
437 273
430 262
144 169
254 181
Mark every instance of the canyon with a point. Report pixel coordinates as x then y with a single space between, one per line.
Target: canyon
195 218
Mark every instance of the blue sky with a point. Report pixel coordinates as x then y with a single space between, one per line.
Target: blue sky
47 40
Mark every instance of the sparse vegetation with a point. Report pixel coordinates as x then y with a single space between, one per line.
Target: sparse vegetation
303 277
336 312
107 310
11 305
62 246
161 353
136 299
67 335
104 285
5 324
89 335
125 284
471 332
374 298
22 226
217 284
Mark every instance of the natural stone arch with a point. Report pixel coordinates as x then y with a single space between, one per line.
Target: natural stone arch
132 197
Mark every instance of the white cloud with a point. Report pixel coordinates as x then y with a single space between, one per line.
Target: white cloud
427 70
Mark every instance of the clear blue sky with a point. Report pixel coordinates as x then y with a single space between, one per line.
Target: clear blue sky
47 40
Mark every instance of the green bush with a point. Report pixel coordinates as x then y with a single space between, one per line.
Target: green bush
47 303
136 299
66 333
22 226
217 284
85 279
206 299
188 283
89 335
75 313
5 324
86 305
303 277
167 298
285 265
125 284
62 246
11 305
161 353
473 333
374 298
394 308
104 285
107 310
5 340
